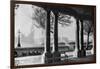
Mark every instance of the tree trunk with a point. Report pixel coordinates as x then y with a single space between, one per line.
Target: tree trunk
87 39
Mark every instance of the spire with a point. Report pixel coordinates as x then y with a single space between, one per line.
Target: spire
19 44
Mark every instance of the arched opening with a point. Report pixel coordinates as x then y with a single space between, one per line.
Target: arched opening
67 35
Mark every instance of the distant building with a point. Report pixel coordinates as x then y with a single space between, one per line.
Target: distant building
19 44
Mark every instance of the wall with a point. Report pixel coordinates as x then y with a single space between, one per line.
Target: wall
5 35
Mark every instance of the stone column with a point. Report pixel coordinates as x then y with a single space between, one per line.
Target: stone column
48 54
77 37
80 39
83 53
56 54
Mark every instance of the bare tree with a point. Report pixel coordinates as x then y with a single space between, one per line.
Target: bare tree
88 29
40 16
64 19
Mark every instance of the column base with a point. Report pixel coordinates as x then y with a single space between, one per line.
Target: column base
48 57
81 53
56 57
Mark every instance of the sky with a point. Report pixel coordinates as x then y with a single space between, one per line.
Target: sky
69 31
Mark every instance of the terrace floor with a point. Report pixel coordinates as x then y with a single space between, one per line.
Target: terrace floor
39 59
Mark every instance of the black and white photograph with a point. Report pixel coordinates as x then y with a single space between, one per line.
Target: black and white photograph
46 33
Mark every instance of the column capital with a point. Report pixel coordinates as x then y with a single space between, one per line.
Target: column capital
55 12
